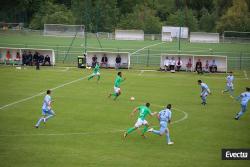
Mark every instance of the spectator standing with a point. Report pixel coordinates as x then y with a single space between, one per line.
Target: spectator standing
94 61
189 65
104 61
118 61
36 60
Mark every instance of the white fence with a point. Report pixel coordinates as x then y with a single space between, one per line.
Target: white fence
176 31
129 35
204 37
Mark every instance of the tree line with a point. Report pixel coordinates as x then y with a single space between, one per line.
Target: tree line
148 15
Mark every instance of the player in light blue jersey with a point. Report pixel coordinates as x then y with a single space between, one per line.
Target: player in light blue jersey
244 97
229 86
204 92
164 118
47 112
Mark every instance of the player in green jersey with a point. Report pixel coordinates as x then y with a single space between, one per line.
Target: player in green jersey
117 88
96 72
143 112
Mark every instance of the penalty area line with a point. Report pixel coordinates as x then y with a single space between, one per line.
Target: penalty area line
146 47
41 93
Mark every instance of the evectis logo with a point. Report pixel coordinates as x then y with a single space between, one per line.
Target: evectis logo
235 154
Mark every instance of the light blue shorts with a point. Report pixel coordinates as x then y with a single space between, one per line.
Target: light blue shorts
47 112
163 126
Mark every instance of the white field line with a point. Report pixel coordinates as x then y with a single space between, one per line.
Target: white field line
141 73
66 69
146 47
92 133
245 74
179 120
41 93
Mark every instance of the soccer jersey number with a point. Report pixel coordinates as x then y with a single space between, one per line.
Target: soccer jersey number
142 113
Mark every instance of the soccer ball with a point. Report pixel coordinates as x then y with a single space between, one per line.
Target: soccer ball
132 98
88 68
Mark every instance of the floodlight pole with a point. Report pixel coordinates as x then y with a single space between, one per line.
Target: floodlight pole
86 18
179 39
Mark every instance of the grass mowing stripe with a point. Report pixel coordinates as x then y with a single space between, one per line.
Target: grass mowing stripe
41 93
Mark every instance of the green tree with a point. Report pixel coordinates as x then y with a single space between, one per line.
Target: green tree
183 18
142 18
96 15
50 13
236 18
207 21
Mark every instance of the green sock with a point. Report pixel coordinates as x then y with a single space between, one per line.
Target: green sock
130 130
98 77
90 77
144 130
116 95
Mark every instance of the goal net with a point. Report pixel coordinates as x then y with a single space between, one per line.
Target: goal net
166 36
204 37
129 35
207 61
111 58
176 31
63 30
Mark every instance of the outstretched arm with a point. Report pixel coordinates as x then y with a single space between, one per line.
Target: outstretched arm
134 111
153 113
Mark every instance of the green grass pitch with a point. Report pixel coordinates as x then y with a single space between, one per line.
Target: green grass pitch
88 127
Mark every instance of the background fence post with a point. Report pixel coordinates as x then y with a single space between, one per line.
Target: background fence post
240 59
148 58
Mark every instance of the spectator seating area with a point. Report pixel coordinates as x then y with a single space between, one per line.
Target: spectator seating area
108 59
196 63
26 56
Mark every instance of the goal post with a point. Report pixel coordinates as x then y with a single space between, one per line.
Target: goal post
166 36
220 61
111 63
175 32
129 34
63 30
236 36
204 37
